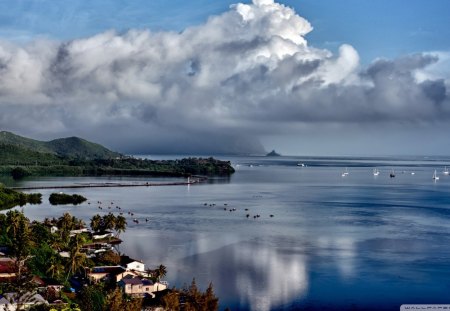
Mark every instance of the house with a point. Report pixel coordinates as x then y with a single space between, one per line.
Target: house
7 269
48 287
139 287
132 264
127 273
101 273
79 231
105 235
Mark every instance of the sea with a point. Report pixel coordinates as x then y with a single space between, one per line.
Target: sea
289 233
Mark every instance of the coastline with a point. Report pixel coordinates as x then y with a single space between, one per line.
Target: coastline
196 180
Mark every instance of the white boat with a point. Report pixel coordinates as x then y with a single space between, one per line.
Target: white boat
435 177
345 173
301 164
376 172
446 171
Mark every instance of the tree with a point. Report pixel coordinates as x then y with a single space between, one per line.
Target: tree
109 258
171 301
160 272
65 224
55 266
19 172
96 222
62 198
40 233
109 221
120 224
210 299
77 260
116 301
92 298
198 301
20 239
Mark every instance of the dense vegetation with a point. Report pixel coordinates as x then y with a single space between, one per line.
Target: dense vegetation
62 198
21 157
36 251
10 198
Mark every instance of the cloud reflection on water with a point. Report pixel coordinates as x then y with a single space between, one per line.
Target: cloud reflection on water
263 275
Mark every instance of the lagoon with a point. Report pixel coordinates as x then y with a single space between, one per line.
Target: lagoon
359 242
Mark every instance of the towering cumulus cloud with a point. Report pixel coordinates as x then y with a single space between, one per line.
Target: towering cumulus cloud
216 87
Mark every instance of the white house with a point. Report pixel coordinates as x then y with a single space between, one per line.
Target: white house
135 286
132 264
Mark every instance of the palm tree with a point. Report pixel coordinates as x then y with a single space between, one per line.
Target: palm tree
96 221
14 220
65 224
110 221
160 272
77 260
79 223
18 231
120 225
56 268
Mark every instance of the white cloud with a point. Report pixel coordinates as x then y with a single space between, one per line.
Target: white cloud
213 82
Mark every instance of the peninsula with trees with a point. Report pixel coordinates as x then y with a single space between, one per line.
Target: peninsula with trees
21 157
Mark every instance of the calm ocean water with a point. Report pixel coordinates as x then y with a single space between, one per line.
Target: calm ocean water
358 242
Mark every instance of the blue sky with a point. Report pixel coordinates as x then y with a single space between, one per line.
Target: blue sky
373 78
376 28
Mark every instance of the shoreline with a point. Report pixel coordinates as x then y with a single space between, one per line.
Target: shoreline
196 180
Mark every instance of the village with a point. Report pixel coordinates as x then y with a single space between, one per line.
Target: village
52 263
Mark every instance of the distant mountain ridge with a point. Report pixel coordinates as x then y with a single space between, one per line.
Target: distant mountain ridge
71 147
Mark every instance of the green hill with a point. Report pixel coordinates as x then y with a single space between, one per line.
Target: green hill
8 138
73 156
72 147
11 154
75 147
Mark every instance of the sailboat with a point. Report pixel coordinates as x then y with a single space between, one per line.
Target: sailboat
376 172
446 171
345 173
435 177
392 174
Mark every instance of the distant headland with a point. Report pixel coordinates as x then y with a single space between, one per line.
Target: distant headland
74 156
273 153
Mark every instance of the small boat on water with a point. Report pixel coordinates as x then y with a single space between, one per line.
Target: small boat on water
376 172
446 171
435 176
392 174
345 173
301 164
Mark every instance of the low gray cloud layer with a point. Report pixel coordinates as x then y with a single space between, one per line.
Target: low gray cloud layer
216 87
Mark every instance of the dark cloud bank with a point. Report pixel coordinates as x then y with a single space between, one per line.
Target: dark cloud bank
215 88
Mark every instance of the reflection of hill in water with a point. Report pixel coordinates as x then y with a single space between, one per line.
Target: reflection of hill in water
265 277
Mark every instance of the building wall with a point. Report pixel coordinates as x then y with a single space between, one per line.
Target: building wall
136 265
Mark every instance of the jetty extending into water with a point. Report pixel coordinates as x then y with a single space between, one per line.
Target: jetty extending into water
190 181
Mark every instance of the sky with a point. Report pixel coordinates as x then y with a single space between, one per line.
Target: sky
305 77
